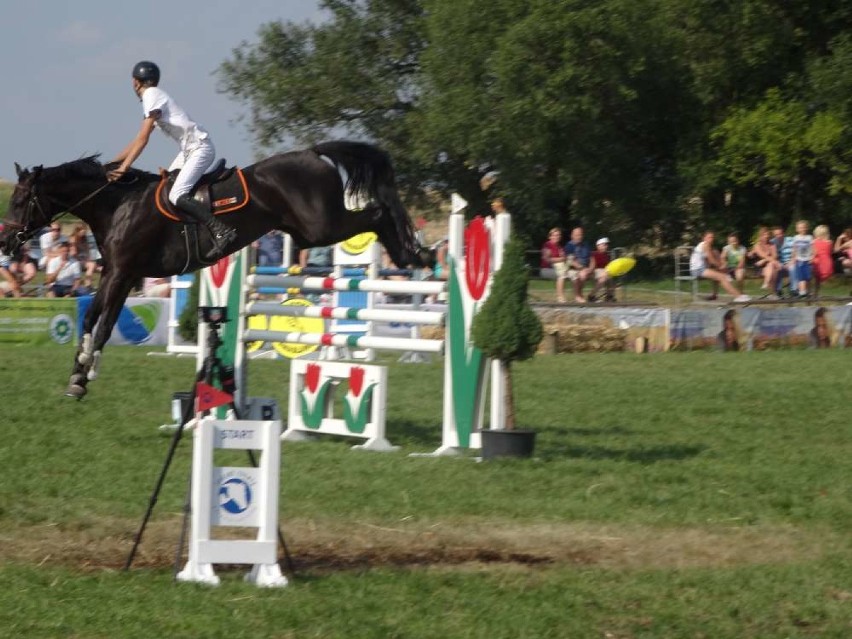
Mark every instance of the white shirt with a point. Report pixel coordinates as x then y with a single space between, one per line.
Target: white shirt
803 247
68 274
698 259
173 120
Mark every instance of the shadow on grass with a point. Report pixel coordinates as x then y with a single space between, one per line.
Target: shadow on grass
641 455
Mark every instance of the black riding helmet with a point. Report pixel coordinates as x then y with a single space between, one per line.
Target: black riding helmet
147 72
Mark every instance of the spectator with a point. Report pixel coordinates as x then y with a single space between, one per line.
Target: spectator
705 262
8 282
81 251
63 273
553 257
784 248
843 250
317 256
23 266
598 262
733 257
157 287
49 243
823 265
498 205
802 256
765 256
270 249
440 268
577 256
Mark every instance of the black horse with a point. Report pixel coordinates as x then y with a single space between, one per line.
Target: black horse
300 193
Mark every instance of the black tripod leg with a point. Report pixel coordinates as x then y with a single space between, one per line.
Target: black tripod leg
187 415
187 509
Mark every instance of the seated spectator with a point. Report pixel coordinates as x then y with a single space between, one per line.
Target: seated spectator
733 257
823 265
317 256
765 257
802 257
553 257
8 282
705 262
157 287
64 275
598 261
49 243
24 266
81 251
577 256
784 247
843 251
270 249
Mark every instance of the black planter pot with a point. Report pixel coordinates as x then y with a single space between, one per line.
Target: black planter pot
507 443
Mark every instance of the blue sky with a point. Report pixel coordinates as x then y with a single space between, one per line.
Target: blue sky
67 70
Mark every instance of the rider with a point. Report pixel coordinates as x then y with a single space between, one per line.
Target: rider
195 157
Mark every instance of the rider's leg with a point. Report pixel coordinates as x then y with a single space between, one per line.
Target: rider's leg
194 166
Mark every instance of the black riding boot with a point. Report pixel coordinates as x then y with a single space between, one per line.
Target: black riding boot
222 235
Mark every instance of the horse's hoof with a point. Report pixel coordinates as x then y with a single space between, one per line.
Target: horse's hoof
76 391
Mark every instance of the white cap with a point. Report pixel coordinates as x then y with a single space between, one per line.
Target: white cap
603 240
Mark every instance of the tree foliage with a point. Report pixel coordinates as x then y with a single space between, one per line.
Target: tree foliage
641 119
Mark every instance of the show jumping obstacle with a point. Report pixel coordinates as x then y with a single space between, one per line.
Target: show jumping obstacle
474 253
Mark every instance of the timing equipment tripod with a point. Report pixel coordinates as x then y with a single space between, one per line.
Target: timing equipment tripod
212 370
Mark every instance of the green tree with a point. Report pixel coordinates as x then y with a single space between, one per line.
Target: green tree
507 328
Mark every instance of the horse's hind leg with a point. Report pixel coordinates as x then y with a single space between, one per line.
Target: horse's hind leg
106 306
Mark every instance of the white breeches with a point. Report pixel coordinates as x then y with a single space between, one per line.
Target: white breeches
192 164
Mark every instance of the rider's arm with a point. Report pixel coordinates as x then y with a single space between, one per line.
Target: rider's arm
137 145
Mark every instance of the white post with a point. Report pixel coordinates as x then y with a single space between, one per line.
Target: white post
236 497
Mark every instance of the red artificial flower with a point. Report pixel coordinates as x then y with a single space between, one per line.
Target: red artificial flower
356 380
219 271
477 257
312 377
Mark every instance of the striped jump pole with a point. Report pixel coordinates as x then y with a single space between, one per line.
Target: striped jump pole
297 283
328 270
433 318
352 341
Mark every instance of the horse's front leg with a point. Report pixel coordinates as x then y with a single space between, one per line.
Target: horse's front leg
104 311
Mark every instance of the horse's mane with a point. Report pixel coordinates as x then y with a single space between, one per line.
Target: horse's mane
87 168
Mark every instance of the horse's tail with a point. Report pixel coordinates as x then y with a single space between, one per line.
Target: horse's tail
371 176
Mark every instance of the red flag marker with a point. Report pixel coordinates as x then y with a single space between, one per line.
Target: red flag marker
207 397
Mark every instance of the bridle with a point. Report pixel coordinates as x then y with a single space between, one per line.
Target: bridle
34 203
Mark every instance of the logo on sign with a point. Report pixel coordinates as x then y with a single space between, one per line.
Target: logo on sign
236 494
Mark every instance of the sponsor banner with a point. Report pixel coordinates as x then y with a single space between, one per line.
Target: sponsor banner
38 321
756 328
142 320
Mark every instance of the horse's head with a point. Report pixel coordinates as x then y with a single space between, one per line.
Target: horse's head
27 211
42 194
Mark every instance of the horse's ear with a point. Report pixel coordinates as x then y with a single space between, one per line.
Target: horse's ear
37 170
18 170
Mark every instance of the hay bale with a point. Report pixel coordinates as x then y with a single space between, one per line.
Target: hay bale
586 338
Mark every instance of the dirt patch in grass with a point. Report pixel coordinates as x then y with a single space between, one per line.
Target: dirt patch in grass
331 546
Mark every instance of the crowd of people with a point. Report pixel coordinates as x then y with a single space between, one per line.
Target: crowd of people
577 262
69 263
803 262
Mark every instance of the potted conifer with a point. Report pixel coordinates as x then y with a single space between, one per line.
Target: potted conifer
507 329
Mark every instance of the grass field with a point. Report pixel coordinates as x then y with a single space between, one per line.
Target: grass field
673 495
